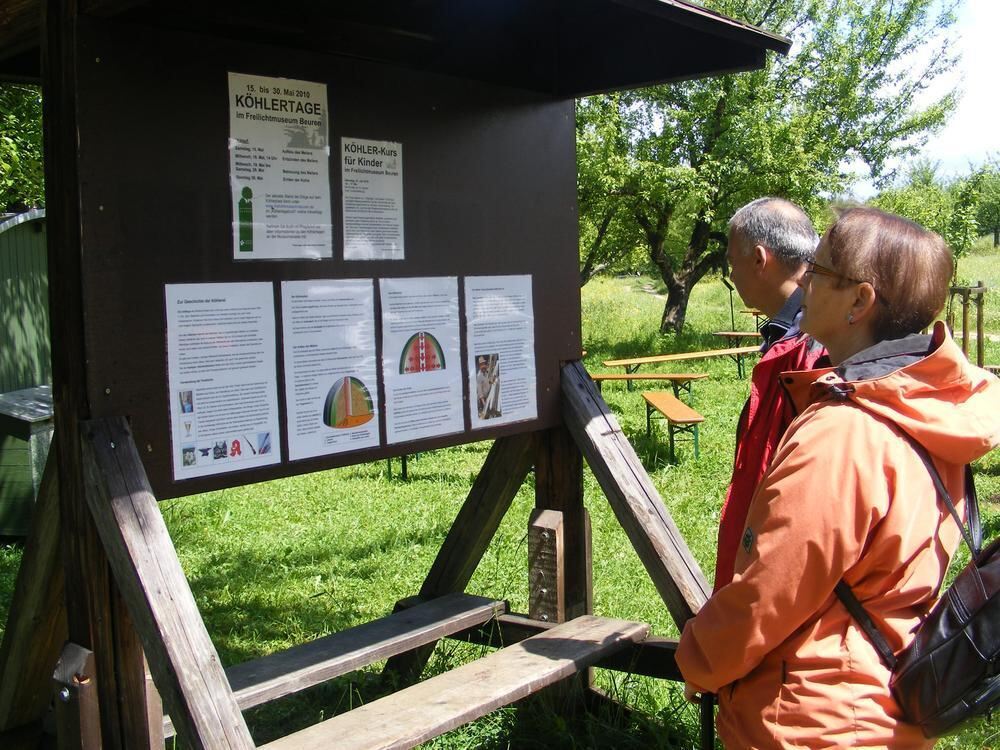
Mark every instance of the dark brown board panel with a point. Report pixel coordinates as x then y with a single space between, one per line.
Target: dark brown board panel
489 188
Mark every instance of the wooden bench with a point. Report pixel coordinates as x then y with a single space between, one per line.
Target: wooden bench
679 381
737 353
679 416
446 701
286 672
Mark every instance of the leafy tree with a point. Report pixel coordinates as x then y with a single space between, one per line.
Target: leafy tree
946 207
21 179
988 214
682 158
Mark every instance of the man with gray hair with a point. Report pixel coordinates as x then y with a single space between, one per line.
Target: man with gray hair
770 242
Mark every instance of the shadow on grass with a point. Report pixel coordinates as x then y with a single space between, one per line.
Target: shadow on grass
235 589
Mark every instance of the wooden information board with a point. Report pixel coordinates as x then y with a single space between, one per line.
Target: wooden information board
488 186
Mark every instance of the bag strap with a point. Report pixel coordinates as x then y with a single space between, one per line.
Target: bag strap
973 537
859 613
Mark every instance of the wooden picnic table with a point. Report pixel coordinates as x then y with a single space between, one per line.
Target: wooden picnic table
679 381
736 338
737 353
759 318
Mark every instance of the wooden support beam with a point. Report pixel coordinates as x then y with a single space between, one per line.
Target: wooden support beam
36 625
183 661
559 487
78 721
635 501
507 464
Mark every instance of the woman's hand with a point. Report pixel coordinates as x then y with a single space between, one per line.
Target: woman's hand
691 694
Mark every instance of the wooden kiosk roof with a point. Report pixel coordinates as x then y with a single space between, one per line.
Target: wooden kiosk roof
563 48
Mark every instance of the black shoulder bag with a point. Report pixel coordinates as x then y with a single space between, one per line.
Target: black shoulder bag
950 673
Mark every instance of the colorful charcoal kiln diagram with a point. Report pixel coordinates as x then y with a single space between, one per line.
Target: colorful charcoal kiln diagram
348 404
422 353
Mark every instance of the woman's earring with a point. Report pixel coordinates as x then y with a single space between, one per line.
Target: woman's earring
850 319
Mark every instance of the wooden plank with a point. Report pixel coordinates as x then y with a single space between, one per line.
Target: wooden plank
449 700
672 408
36 624
682 356
633 497
546 566
183 661
653 657
680 377
300 667
503 472
303 666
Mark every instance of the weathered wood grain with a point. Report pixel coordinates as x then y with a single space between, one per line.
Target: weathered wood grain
300 667
635 501
183 661
36 625
446 701
546 567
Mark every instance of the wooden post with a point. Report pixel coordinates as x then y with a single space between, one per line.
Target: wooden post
559 487
980 333
965 322
184 663
91 620
78 720
634 499
546 567
36 626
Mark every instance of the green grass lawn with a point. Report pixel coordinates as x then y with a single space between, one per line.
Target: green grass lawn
276 564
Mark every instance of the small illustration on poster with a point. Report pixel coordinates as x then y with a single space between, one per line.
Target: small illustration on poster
348 404
422 353
488 386
246 220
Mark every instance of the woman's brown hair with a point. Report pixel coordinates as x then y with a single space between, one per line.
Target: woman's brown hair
909 267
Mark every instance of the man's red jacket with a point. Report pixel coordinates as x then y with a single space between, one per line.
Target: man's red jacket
765 417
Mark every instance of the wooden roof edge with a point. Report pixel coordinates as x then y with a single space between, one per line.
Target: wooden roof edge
699 17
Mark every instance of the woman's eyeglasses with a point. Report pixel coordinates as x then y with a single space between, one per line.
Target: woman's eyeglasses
820 270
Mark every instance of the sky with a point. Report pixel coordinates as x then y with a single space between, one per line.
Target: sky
973 131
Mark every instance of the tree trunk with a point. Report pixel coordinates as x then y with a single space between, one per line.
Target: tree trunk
590 265
675 308
996 236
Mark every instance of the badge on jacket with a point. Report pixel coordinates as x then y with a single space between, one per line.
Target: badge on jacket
747 539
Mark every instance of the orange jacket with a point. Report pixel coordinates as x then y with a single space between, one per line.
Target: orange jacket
845 497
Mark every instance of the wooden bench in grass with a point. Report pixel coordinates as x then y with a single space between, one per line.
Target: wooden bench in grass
737 353
286 672
679 381
449 700
679 416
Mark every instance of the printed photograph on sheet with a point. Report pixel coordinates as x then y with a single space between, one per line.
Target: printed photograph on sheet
500 330
331 388
222 379
372 175
279 168
421 350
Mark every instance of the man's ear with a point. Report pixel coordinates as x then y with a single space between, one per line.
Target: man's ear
761 257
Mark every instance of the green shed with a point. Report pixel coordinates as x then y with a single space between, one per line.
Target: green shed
25 367
24 303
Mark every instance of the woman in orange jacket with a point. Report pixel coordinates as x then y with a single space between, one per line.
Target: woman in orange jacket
847 497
